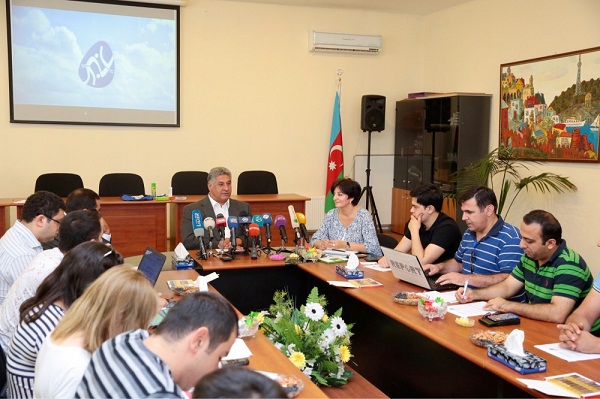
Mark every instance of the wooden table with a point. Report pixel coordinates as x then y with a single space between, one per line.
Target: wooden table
265 356
406 342
5 204
275 204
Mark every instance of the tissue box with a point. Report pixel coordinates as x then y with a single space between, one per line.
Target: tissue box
182 264
527 364
349 274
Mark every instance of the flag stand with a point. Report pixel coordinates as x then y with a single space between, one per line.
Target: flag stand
370 200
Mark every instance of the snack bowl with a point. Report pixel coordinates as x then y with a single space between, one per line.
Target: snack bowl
247 326
311 256
409 298
464 321
485 338
182 287
432 308
291 385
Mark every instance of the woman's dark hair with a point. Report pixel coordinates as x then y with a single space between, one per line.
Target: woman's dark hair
78 269
349 187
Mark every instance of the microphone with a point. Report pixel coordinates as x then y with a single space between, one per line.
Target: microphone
209 224
198 227
280 223
254 231
221 223
267 221
232 221
303 231
244 220
295 224
258 220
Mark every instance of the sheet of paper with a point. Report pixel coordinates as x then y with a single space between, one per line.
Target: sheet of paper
468 309
239 350
546 388
375 266
344 284
447 296
566 354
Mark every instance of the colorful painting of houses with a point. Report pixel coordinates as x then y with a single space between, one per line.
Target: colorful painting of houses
551 107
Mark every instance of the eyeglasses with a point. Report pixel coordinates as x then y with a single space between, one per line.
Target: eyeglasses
54 220
108 253
472 260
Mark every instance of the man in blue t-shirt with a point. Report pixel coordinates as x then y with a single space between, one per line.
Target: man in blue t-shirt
489 249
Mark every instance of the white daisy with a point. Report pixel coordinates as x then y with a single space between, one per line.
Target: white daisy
326 338
338 326
314 311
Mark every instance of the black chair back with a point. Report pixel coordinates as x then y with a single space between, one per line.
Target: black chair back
257 182
60 184
190 183
117 184
387 241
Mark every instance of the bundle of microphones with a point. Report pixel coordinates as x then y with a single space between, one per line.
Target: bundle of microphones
211 233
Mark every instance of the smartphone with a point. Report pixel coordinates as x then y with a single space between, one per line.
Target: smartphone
499 319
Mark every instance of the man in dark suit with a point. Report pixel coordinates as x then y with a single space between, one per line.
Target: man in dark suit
217 201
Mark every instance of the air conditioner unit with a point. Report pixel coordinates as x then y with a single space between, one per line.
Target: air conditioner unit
344 42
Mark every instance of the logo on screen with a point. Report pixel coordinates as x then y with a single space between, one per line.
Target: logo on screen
97 67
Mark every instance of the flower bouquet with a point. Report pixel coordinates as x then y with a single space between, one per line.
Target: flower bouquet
316 343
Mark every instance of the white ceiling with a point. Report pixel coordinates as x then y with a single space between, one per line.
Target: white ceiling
415 7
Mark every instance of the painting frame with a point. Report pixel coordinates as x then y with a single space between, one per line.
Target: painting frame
545 118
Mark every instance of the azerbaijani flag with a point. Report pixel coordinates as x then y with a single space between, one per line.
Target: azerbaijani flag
335 161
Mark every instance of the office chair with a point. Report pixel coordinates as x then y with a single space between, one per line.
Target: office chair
60 184
190 183
387 241
257 182
117 184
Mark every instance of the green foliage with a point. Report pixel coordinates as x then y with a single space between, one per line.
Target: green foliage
504 162
316 343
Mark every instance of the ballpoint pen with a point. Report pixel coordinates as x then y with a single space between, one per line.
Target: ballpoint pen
465 288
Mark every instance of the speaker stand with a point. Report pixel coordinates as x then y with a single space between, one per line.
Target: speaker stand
370 200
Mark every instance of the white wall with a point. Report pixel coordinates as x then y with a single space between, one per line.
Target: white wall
464 52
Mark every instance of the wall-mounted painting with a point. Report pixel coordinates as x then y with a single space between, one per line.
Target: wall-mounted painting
550 106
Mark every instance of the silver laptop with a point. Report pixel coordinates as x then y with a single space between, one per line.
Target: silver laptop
406 267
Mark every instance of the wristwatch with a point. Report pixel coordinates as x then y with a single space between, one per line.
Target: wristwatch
347 246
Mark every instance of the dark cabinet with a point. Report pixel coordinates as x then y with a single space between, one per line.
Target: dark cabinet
436 136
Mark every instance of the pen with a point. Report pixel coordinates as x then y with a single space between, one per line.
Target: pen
465 289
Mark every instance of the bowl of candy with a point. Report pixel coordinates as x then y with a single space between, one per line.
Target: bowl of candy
311 254
290 384
432 308
248 325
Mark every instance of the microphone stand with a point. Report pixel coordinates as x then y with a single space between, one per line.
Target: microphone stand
202 253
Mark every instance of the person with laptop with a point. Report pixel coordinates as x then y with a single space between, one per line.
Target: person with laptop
348 226
556 279
581 331
217 201
189 343
489 249
430 235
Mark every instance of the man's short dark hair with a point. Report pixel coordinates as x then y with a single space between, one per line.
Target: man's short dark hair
551 227
349 187
483 195
237 382
200 309
78 227
41 203
81 198
428 194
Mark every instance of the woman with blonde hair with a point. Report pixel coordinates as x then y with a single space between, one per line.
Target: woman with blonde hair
120 300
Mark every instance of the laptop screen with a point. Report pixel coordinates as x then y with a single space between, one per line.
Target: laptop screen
151 264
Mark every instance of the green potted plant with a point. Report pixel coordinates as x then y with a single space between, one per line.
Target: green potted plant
504 163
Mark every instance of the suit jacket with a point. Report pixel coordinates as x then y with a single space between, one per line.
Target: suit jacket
206 210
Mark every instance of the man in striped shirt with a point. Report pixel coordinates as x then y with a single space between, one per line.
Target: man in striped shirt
555 278
42 213
489 249
189 343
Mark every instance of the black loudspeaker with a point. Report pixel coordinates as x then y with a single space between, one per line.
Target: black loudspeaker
372 113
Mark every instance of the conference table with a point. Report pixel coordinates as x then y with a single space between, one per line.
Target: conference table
394 347
265 356
136 225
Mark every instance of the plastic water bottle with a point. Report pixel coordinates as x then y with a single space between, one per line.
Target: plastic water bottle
153 185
